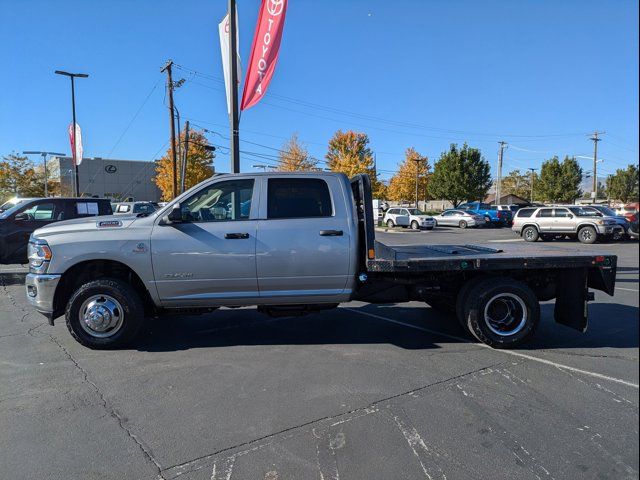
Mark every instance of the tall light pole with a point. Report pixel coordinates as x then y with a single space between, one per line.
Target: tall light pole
532 170
44 160
72 76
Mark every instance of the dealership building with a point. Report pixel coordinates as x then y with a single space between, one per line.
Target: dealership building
102 177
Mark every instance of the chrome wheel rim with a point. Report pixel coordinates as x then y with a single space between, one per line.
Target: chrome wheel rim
528 234
415 226
586 234
505 314
101 316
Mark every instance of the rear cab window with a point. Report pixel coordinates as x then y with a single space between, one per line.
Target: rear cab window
545 213
298 198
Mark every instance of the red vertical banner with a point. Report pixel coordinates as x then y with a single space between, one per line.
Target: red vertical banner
264 51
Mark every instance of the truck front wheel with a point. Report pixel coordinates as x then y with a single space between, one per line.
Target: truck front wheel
588 235
501 312
105 313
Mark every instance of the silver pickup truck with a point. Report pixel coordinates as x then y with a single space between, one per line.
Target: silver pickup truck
291 244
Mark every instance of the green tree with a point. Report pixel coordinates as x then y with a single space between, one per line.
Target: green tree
20 177
199 165
349 153
460 174
295 157
623 185
403 184
560 181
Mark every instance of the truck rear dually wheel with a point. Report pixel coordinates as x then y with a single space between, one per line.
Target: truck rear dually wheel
501 312
105 313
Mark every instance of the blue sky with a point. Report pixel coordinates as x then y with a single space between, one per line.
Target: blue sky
537 74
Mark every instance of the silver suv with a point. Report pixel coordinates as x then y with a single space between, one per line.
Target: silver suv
547 223
408 217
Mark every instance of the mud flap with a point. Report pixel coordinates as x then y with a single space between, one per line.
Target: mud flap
571 300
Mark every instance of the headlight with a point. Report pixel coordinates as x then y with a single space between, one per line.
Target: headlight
39 255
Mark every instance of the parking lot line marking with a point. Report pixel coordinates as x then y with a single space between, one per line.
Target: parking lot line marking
627 289
508 352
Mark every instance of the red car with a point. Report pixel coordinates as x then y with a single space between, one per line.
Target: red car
630 211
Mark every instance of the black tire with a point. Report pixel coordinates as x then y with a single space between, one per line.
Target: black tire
508 298
588 235
461 299
530 234
129 301
463 224
390 223
415 225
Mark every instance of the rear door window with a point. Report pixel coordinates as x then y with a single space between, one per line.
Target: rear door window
545 213
298 198
561 213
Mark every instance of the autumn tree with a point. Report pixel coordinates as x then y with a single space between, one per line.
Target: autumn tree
199 164
295 157
559 181
349 154
623 185
460 174
517 183
403 184
19 176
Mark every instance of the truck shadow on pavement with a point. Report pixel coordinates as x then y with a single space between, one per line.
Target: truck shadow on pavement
611 326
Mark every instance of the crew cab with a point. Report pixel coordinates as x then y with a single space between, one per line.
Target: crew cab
493 217
290 243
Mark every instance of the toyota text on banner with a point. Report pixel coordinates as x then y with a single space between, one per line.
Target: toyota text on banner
264 51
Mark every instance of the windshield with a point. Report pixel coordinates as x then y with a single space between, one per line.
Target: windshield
607 211
415 211
583 212
11 210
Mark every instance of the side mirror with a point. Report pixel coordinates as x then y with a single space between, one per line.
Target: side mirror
570 215
21 217
175 215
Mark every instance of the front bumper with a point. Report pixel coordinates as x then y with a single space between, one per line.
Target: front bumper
40 290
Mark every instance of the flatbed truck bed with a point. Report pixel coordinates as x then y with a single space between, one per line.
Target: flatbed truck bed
473 282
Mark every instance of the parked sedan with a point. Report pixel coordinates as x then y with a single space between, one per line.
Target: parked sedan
408 217
459 218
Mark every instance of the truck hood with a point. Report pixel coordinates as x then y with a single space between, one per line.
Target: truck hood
106 222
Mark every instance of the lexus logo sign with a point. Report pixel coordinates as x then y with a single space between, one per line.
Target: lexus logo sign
110 169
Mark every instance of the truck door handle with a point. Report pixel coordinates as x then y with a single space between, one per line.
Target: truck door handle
236 236
331 233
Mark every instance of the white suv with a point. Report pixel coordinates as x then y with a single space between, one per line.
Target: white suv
408 217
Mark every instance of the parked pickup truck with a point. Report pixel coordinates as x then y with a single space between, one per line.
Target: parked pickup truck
493 216
291 243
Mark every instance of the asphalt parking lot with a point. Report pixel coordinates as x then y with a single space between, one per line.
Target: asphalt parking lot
362 392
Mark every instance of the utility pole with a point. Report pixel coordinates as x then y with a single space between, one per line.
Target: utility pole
184 157
233 65
532 170
499 179
72 76
595 140
172 128
417 160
